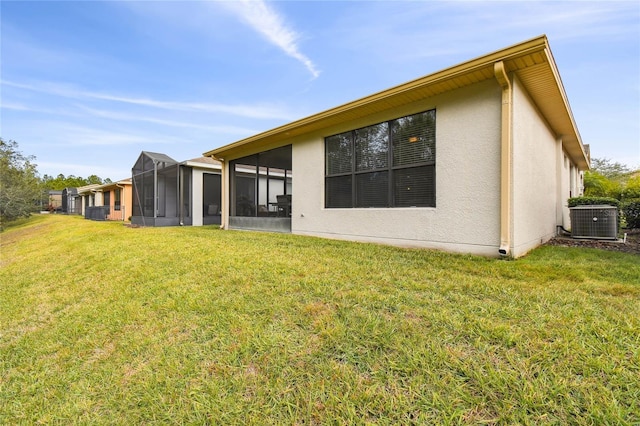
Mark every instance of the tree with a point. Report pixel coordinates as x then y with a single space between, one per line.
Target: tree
19 183
93 179
609 179
607 168
632 188
71 181
598 185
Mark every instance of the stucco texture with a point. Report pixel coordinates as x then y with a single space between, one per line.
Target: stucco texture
535 181
466 216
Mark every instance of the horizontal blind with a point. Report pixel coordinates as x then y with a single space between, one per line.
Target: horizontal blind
390 164
372 147
339 154
372 189
338 192
414 187
414 139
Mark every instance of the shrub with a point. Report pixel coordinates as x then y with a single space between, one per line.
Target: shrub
631 212
593 201
598 185
632 190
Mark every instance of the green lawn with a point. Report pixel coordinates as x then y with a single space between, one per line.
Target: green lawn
104 324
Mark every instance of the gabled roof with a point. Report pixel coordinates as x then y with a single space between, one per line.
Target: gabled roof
148 161
156 156
116 184
88 188
531 61
207 160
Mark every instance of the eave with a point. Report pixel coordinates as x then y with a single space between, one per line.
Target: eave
531 61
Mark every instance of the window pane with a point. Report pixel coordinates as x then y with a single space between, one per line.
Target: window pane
372 189
276 184
415 187
211 194
414 139
372 147
245 189
338 192
339 154
262 187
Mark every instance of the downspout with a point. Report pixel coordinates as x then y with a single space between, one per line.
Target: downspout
223 190
181 196
559 187
505 160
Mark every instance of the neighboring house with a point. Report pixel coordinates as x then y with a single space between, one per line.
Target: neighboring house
71 201
89 197
109 201
169 193
54 200
479 158
117 196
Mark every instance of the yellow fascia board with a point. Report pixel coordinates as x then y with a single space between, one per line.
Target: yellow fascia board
483 64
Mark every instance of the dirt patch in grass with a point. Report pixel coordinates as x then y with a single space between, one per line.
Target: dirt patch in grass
632 244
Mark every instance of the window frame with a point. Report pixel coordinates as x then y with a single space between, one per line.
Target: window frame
390 168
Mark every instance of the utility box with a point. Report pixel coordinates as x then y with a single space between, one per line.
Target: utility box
594 221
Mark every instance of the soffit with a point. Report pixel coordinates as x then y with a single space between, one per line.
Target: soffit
542 82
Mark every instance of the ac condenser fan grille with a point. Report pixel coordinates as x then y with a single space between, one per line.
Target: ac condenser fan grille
598 222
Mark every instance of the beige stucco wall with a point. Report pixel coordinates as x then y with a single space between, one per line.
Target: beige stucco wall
566 188
536 197
125 196
571 184
466 216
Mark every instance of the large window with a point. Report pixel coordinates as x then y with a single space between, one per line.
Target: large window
390 164
116 199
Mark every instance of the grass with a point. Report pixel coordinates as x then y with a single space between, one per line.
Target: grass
104 324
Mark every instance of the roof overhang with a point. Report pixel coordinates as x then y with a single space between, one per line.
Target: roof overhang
87 189
206 163
531 61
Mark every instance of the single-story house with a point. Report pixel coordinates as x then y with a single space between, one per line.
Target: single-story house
169 193
117 196
71 201
477 158
55 200
89 197
109 201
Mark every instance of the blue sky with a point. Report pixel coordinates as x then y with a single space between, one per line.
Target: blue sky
87 85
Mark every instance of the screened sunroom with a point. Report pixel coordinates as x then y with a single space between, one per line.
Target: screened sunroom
261 186
169 193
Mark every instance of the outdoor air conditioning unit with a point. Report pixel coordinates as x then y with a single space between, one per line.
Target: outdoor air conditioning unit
598 222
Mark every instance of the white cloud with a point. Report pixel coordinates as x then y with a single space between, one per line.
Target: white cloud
15 107
458 30
170 123
66 91
266 21
74 135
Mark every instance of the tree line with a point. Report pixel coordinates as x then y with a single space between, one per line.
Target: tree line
22 190
611 180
